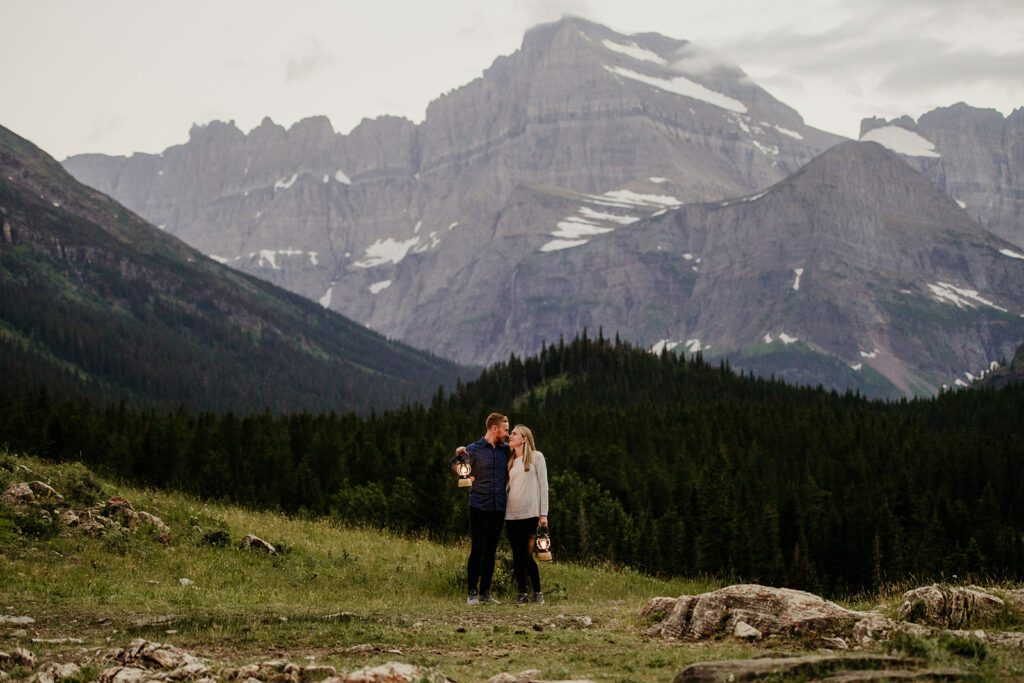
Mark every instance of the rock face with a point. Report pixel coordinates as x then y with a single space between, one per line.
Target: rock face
950 607
1006 373
593 179
975 155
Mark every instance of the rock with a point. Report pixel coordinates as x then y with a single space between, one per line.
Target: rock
186 582
950 607
521 677
122 511
44 491
584 621
811 667
163 531
745 631
771 611
835 643
17 621
390 672
253 542
69 517
149 654
53 672
317 672
18 494
19 633
23 657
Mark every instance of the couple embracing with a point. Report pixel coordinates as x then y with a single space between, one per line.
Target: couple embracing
510 488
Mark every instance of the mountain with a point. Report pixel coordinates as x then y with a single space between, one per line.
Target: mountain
379 223
94 301
975 155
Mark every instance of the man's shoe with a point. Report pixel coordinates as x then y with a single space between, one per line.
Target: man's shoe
473 598
538 598
488 599
522 599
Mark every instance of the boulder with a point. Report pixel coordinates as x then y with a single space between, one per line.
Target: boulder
771 611
950 606
44 491
390 672
122 511
811 667
253 542
54 671
177 664
18 494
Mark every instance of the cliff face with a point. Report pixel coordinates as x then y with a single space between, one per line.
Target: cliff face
976 156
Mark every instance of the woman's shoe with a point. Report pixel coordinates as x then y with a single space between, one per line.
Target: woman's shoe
538 598
522 599
472 598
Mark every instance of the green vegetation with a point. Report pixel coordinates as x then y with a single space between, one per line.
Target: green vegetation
348 597
663 464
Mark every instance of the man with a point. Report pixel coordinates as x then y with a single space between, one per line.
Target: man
488 458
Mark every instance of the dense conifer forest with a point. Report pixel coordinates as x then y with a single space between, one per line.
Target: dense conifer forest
667 464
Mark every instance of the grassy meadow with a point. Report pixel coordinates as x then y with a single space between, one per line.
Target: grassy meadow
347 597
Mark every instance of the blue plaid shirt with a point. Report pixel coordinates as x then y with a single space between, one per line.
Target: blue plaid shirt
490 475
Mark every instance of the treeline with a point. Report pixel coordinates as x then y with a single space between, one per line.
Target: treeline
663 463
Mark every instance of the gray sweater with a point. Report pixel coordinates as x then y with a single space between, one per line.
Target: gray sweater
527 491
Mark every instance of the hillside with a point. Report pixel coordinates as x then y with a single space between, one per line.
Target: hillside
108 596
661 463
96 302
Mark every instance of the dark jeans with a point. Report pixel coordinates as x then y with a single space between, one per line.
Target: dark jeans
520 536
485 531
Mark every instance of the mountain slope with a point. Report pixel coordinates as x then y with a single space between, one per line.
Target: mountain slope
95 301
373 223
856 257
975 155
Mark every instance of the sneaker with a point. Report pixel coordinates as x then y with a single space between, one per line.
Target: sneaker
538 598
473 598
488 599
522 599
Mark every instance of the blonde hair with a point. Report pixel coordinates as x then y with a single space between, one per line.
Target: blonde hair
528 447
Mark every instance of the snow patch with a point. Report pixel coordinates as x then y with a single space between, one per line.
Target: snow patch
327 179
453 225
786 339
378 287
664 345
767 150
218 259
635 51
857 367
419 224
312 257
658 180
342 178
681 85
959 382
767 338
1011 253
961 203
570 229
587 212
901 141
284 184
556 245
382 251
694 345
638 199
325 300
962 297
785 131
873 354
268 255
796 283
688 256
754 198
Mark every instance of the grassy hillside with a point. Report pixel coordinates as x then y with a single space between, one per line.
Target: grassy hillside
345 597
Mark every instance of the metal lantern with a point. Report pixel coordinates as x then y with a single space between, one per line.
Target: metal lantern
463 469
543 544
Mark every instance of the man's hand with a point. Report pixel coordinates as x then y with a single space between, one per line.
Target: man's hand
461 450
544 520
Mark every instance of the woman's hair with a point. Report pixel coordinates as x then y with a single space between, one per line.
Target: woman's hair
528 447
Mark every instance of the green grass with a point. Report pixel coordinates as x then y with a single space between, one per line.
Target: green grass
336 588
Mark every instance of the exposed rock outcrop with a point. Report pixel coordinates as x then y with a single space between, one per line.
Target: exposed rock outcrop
951 607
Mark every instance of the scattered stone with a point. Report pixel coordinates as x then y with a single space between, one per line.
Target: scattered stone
836 643
317 672
186 582
538 627
811 667
69 517
19 633
160 620
585 622
745 631
58 641
163 531
950 607
16 621
339 616
252 542
391 672
149 654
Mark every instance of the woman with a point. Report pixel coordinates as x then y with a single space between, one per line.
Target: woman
526 508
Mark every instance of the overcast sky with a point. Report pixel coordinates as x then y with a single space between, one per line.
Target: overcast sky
120 76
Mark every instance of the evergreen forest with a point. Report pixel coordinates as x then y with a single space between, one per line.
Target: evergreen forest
664 463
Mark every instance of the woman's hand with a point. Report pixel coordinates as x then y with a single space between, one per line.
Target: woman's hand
461 450
543 520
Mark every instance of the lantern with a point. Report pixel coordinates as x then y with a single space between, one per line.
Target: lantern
463 469
543 544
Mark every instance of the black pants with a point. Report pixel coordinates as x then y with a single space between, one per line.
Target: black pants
520 536
485 531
